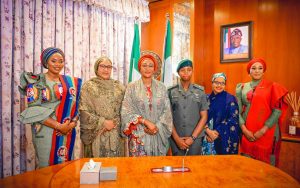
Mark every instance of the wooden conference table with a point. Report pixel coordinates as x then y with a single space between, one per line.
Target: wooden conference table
206 171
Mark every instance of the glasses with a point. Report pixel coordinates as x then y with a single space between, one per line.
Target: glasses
219 83
105 66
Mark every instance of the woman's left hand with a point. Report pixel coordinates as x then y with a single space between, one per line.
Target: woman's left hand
150 128
212 134
148 131
209 139
188 140
258 134
72 125
109 125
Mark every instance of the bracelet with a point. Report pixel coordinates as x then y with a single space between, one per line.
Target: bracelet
194 138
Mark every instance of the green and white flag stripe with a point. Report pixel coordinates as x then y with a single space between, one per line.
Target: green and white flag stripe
135 56
167 77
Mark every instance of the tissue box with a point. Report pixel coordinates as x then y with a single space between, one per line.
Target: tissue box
108 173
90 176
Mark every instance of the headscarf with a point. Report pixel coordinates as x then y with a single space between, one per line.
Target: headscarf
184 63
218 75
47 53
256 60
98 61
147 56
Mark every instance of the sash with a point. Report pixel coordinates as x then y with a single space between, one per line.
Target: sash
62 146
267 94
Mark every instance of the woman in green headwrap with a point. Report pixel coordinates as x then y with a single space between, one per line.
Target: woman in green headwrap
100 104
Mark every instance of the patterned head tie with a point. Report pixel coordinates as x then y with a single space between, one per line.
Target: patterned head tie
219 75
184 63
256 60
47 53
147 56
236 32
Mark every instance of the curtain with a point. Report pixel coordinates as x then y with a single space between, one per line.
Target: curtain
181 39
84 30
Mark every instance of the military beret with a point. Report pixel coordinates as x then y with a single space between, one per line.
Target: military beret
184 63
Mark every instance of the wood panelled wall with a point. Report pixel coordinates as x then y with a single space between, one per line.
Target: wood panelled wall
276 38
153 32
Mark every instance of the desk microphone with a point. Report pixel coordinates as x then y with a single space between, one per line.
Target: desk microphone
187 150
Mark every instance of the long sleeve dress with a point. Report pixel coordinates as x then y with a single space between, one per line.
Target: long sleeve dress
223 116
101 100
48 99
261 103
153 104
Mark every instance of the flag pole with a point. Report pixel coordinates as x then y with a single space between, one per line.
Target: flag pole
167 15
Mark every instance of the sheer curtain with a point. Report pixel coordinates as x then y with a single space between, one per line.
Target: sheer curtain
83 29
181 39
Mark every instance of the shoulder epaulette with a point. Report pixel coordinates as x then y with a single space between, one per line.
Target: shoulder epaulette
173 87
198 87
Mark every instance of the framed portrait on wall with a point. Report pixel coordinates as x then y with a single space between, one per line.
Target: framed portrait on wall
236 42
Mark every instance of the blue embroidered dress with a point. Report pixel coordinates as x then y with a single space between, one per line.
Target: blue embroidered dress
223 117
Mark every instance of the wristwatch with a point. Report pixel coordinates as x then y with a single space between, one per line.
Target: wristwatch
194 138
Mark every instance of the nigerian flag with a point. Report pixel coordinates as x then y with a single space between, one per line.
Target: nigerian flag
167 71
135 56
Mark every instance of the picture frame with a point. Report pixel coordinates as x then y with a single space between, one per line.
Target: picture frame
236 42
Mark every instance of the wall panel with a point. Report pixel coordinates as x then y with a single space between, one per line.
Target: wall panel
276 38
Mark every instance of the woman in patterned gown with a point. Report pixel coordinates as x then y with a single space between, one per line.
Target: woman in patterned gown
146 113
222 129
100 103
52 110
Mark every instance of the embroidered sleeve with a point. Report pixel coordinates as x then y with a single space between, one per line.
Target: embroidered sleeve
27 78
240 104
232 117
165 121
131 126
129 114
90 122
229 129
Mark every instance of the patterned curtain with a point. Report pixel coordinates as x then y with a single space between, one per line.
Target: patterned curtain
181 38
84 30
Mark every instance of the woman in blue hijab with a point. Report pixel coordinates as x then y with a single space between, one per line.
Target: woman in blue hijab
222 128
